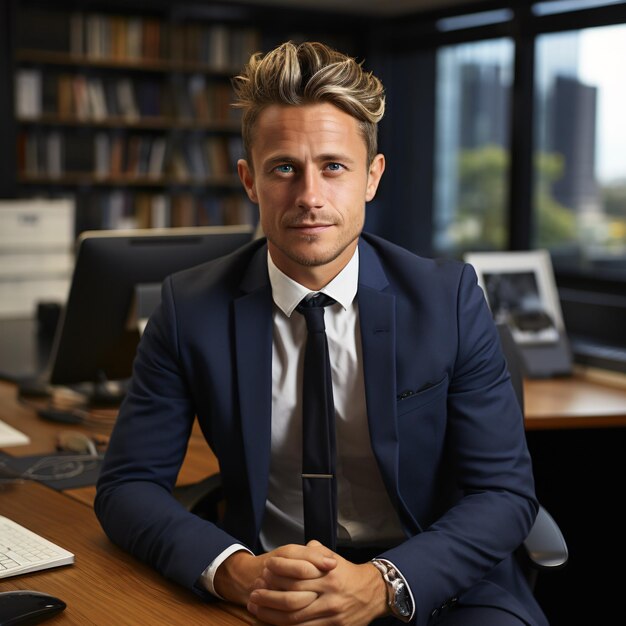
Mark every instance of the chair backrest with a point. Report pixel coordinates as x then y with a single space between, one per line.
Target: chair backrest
545 546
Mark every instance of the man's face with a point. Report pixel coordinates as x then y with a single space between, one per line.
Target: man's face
311 180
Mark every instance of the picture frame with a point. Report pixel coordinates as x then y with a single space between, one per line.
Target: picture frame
520 290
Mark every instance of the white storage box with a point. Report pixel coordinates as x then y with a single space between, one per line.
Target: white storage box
36 254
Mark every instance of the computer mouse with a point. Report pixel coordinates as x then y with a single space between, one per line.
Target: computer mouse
22 608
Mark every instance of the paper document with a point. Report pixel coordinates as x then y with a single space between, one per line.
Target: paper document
10 436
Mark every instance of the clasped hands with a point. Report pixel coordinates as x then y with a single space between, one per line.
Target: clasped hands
309 584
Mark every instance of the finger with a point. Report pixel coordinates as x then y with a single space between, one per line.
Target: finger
284 601
282 618
314 552
278 617
292 568
285 583
299 568
329 557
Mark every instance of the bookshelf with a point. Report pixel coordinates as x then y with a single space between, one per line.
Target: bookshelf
128 112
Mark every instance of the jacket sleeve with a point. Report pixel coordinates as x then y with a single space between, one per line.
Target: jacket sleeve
133 502
488 457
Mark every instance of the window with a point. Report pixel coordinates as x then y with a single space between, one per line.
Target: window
472 146
579 165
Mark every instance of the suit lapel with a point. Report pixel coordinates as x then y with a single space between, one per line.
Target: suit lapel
253 345
378 330
377 316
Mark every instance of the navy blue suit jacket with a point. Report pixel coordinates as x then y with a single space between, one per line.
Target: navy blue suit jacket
445 425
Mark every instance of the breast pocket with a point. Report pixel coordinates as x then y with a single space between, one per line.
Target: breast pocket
410 401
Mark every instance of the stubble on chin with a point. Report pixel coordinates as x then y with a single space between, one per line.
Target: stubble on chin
312 259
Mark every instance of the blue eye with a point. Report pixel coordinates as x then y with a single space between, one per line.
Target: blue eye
284 169
335 167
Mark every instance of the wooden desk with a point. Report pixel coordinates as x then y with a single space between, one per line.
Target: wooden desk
105 585
199 462
588 399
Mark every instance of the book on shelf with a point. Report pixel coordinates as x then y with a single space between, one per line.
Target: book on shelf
159 211
120 37
95 98
81 101
151 38
28 93
183 210
117 162
119 209
199 98
133 38
54 154
66 107
95 36
97 109
126 99
102 155
156 162
217 156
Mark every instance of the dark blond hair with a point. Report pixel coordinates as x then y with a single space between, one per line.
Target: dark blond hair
308 73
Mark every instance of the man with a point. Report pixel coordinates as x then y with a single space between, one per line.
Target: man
433 476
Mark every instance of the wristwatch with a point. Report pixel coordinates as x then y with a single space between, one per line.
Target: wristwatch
398 597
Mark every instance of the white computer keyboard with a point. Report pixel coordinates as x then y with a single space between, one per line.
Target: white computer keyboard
22 550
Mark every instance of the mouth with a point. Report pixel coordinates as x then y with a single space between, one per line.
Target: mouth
310 229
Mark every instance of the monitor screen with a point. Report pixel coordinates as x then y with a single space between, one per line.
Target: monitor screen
99 329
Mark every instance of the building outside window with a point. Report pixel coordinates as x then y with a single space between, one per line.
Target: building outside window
472 141
579 163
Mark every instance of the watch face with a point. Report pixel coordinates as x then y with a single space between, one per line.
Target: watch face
401 601
403 607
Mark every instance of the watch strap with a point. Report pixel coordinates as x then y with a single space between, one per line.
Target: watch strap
398 597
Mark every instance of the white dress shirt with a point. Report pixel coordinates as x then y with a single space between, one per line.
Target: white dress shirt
365 513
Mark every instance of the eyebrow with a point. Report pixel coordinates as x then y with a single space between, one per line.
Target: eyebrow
324 158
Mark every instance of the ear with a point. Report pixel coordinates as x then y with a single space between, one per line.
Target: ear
246 175
374 174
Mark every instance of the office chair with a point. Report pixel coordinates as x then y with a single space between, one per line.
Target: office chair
543 549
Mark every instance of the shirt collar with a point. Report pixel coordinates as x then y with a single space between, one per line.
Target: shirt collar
287 293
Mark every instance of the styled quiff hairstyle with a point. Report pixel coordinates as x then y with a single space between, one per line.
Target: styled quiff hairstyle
309 73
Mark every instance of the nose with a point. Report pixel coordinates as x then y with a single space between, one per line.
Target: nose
310 192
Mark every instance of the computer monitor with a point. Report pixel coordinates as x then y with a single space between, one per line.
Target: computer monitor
98 332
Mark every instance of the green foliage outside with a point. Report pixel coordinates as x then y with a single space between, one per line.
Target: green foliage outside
483 187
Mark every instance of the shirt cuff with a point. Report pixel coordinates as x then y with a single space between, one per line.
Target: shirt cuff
206 578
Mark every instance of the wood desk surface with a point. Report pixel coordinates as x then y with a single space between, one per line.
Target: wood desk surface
105 585
199 462
588 399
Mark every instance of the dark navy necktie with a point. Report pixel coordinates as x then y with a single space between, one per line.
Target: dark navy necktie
319 485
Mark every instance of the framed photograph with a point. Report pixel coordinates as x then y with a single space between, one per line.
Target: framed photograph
521 292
